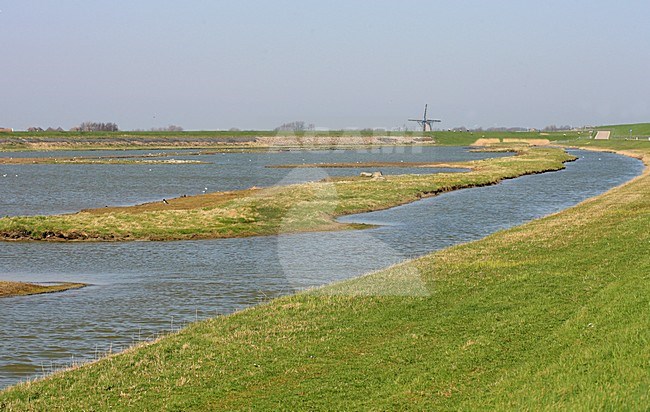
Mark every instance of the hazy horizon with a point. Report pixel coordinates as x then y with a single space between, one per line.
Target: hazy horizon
208 65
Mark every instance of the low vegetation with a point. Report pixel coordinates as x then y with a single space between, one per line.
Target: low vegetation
283 209
8 289
551 315
232 140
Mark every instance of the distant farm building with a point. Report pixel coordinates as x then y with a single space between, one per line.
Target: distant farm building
6 130
602 135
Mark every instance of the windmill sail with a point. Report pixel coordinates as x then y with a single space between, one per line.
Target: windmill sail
425 123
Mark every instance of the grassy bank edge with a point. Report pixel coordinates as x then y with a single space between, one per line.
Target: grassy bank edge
11 289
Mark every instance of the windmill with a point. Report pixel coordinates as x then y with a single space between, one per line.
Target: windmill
424 122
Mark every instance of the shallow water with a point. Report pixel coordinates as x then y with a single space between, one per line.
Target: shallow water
31 189
144 288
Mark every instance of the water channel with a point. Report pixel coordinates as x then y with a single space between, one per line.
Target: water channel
141 289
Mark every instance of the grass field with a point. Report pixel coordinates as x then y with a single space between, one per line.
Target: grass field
640 130
282 209
551 315
248 140
256 139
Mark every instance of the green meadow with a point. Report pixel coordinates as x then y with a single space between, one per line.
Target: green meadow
247 140
640 130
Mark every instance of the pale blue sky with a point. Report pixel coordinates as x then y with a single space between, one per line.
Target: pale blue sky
254 64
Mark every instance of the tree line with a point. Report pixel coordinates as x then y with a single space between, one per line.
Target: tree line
297 126
103 127
95 127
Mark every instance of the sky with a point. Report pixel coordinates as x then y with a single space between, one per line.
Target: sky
220 64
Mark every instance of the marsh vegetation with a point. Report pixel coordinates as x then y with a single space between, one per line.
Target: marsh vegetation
255 212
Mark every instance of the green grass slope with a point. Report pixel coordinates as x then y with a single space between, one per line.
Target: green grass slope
550 315
623 130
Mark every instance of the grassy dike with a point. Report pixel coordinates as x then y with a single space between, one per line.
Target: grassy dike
246 140
282 209
549 315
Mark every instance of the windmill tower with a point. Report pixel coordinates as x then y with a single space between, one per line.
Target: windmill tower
425 124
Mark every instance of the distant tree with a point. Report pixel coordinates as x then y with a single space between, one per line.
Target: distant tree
170 128
297 126
96 127
554 128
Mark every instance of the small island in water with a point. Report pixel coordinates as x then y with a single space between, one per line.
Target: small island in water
8 289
